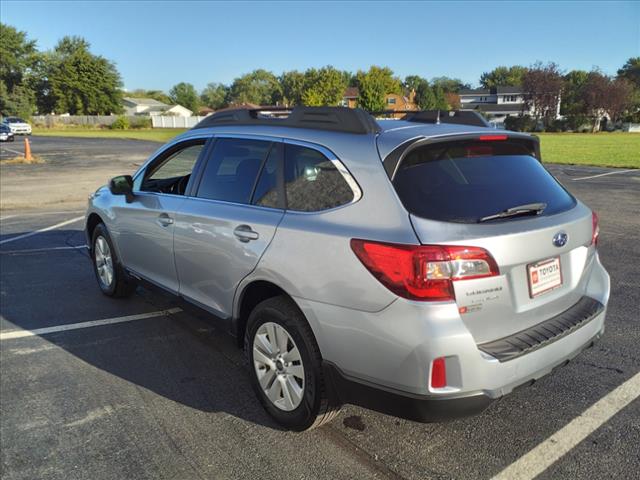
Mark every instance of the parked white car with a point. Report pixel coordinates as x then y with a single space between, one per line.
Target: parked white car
17 126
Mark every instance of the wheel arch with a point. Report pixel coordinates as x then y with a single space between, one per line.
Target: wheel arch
249 296
93 220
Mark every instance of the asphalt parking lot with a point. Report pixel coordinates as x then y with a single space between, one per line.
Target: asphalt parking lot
166 395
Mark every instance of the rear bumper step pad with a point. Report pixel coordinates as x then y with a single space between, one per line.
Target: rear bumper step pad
542 334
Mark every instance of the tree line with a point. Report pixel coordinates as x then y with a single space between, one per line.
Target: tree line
71 79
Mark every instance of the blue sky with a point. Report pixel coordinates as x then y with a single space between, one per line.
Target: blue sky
158 44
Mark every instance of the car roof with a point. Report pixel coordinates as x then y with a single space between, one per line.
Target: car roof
387 134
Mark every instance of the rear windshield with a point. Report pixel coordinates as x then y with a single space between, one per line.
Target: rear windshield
470 180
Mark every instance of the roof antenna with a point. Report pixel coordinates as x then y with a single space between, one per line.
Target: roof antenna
438 117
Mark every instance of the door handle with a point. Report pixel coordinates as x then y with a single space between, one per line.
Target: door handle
165 220
244 233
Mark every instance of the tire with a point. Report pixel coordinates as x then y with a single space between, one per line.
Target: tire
315 407
105 259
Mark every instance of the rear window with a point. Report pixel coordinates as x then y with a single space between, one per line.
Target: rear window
467 181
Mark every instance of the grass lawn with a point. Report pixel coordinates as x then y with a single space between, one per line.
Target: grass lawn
155 135
601 149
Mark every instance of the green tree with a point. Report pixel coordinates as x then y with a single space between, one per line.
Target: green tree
572 101
324 86
631 71
425 98
424 93
72 79
374 85
412 82
18 57
20 101
186 95
215 95
503 76
449 85
292 85
440 99
259 87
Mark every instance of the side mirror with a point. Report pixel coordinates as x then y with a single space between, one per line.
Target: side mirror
122 185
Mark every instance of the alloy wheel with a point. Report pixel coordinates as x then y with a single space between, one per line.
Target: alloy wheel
278 366
104 261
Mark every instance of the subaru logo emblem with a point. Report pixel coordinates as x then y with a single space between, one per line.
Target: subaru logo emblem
560 239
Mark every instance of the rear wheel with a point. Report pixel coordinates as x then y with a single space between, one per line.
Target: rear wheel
286 366
112 279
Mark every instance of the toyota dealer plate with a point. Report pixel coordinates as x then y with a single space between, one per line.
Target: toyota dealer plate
544 276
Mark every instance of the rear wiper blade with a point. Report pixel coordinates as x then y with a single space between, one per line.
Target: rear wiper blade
528 209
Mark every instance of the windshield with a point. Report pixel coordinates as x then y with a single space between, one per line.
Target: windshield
468 181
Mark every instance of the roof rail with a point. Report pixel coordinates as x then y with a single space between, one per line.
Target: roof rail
459 117
336 119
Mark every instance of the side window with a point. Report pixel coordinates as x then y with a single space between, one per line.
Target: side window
231 172
171 173
266 193
312 181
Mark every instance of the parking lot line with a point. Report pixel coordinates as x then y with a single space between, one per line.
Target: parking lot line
93 323
13 151
548 452
605 174
39 214
39 250
7 217
46 229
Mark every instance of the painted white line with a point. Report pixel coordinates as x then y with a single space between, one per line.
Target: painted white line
548 452
46 229
12 151
40 250
38 214
94 323
605 174
2 219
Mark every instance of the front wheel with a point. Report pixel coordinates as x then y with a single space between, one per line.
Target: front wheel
286 366
112 279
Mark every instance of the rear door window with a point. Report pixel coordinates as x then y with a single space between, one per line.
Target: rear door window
465 181
231 172
312 181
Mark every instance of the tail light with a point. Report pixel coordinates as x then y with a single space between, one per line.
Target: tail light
595 231
423 272
438 373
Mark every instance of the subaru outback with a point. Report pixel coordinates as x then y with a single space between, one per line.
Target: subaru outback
421 267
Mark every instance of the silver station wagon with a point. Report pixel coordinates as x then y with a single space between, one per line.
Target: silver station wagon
422 267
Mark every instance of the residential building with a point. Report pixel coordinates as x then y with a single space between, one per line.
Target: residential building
497 103
393 101
149 106
350 97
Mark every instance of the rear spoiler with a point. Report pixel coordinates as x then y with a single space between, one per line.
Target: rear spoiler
393 160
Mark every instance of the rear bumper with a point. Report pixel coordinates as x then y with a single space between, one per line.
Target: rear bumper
418 408
392 351
422 408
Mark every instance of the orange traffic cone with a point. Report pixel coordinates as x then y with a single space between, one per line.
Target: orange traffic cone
27 150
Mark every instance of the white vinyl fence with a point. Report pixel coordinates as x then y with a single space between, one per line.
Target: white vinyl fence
162 121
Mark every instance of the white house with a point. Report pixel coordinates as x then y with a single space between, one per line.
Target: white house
149 106
497 103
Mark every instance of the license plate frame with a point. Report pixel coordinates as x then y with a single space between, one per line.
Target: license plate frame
552 280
